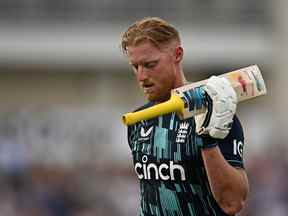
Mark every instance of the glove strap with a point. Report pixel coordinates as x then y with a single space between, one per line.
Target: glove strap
209 107
208 142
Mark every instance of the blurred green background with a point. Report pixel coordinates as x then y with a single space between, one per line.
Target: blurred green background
64 85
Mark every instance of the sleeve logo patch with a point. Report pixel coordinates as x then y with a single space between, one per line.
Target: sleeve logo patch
238 148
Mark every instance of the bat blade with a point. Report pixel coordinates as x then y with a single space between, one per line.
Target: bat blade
247 82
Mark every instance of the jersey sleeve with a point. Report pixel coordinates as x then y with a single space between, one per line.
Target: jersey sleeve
232 146
129 136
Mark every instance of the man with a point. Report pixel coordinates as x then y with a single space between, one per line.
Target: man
185 167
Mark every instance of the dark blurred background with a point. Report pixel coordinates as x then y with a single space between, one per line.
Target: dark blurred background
64 85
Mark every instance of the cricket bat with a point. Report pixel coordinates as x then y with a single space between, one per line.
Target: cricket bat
247 82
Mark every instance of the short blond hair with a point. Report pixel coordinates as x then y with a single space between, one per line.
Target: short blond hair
152 29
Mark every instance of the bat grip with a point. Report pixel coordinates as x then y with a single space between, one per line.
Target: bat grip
174 104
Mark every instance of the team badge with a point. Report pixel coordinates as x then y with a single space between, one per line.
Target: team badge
182 132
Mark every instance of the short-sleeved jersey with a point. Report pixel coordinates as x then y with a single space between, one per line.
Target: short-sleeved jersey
168 163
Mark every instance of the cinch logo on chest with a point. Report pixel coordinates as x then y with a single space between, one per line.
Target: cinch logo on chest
182 132
162 171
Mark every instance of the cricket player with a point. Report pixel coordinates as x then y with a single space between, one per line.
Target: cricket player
185 167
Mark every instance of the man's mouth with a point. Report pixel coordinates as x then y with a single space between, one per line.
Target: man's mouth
147 87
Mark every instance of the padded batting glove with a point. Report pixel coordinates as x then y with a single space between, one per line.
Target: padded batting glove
221 105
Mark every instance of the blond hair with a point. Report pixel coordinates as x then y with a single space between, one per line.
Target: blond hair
152 29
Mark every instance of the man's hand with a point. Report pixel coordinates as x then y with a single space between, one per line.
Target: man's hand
222 102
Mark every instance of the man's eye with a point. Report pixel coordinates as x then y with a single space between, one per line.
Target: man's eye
150 64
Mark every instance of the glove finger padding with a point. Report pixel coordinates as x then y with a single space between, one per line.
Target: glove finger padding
217 120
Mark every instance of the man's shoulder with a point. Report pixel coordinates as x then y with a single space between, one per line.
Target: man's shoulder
237 126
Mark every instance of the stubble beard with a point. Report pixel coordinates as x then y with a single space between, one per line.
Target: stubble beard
158 98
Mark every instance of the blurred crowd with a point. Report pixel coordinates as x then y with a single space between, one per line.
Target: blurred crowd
43 191
40 191
268 188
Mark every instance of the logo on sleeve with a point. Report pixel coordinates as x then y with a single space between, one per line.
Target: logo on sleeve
238 148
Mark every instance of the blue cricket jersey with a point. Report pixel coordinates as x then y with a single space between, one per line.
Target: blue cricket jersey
168 163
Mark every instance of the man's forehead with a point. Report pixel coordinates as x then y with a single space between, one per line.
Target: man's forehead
143 53
143 60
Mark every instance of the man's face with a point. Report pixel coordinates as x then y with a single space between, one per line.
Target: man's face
154 69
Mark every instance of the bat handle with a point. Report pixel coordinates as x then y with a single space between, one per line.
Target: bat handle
174 104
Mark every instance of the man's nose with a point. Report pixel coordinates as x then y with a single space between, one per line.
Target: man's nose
142 73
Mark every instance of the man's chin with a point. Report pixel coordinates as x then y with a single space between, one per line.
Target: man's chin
156 98
151 97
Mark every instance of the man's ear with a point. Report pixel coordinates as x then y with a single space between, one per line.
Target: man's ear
179 52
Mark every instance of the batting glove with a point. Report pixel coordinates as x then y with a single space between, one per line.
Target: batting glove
221 105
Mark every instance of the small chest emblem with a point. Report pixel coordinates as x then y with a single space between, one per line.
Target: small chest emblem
182 132
145 134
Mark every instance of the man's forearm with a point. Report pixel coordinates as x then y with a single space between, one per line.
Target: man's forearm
228 184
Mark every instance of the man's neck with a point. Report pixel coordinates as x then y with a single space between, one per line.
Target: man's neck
180 79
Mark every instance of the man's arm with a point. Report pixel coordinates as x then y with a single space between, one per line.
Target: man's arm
229 185
222 149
